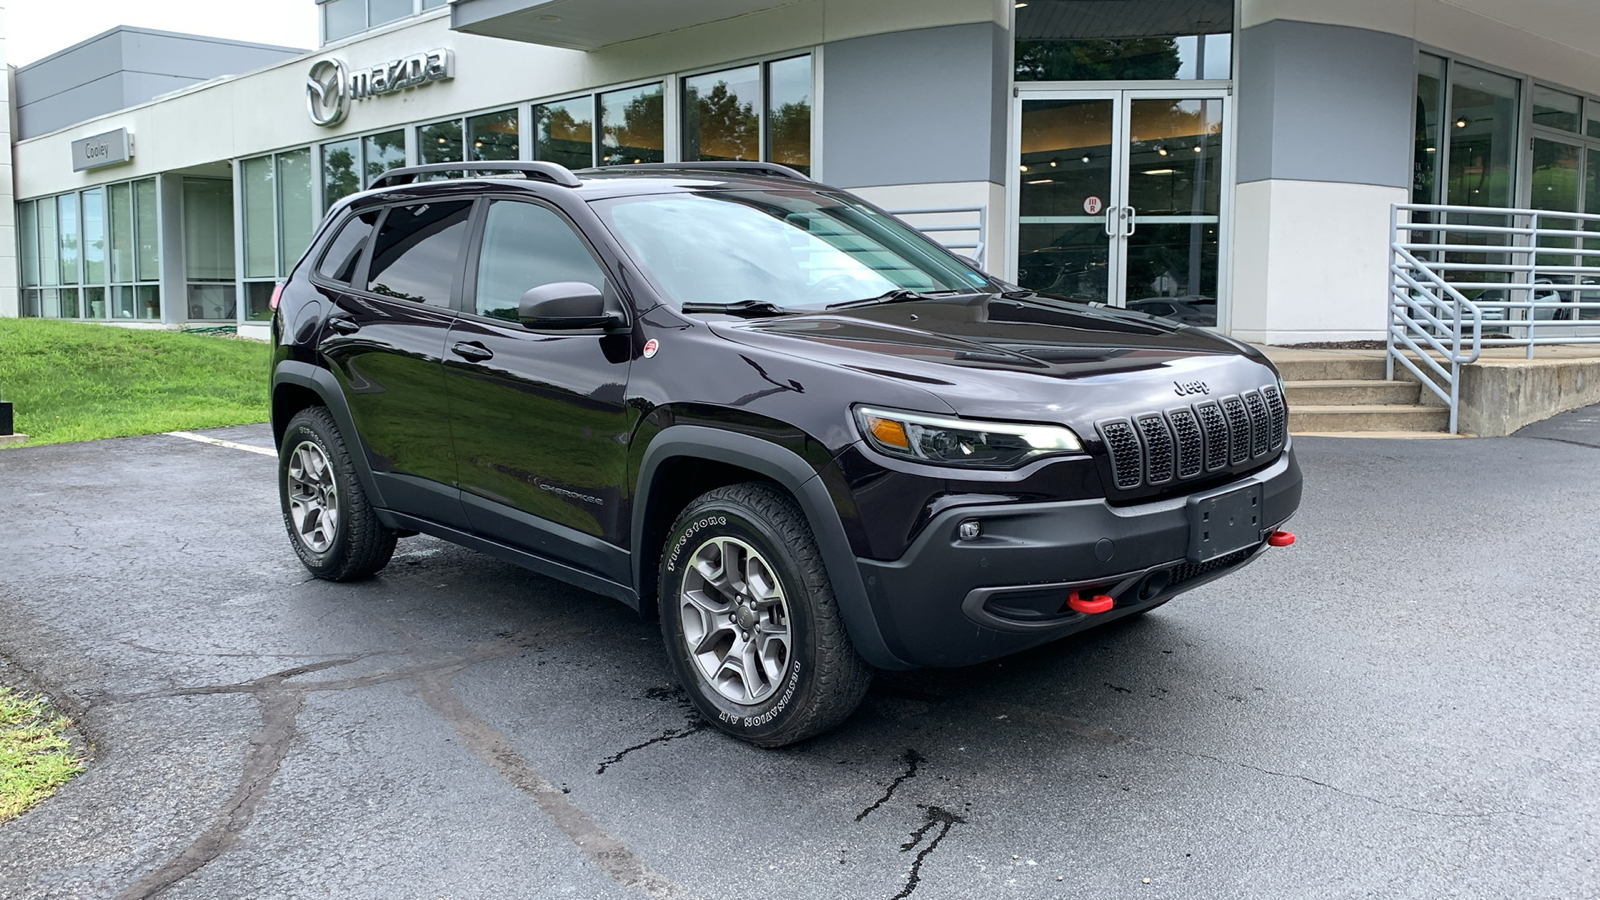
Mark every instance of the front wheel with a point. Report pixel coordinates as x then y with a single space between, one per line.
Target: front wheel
750 620
334 529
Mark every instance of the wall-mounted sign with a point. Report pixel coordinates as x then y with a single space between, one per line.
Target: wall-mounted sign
330 86
102 150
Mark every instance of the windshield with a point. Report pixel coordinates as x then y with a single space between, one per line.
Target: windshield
796 250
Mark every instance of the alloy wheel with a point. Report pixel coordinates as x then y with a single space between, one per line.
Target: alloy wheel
313 497
735 620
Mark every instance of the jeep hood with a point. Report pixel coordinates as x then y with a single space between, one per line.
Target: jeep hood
991 356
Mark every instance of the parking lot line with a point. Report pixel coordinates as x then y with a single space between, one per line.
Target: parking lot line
189 435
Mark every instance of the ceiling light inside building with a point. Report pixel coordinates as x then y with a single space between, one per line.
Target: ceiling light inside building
1161 150
1159 171
1461 122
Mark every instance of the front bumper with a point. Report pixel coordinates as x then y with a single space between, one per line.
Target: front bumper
953 602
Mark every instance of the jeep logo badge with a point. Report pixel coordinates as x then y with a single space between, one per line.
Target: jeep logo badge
327 92
1185 388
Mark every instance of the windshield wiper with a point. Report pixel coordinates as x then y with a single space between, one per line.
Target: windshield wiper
749 309
898 295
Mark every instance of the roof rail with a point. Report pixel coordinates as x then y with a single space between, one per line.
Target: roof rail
771 170
554 173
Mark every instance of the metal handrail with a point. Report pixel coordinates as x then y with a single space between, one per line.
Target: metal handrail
981 229
1526 288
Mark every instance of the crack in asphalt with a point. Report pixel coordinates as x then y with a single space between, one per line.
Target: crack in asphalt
610 855
912 759
279 709
281 703
1338 790
671 734
935 816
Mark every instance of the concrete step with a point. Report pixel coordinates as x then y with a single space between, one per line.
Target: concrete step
1369 417
1353 392
1331 368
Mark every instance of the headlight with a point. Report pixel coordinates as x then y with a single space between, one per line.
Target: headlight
961 442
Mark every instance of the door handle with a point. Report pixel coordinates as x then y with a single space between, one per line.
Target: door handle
472 351
343 325
1112 212
1131 215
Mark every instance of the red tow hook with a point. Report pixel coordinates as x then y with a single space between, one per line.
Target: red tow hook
1280 538
1089 606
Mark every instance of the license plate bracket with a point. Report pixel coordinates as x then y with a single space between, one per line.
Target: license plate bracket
1224 522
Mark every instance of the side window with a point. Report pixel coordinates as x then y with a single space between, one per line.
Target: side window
339 261
527 246
417 251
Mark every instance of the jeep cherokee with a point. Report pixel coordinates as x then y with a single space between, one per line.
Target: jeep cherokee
805 438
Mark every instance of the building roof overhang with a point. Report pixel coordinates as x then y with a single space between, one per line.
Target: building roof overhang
592 24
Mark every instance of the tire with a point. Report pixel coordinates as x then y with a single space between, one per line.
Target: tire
315 475
801 675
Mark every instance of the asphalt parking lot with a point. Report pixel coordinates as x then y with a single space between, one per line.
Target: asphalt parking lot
1404 704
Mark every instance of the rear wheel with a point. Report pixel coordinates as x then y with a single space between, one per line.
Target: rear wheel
334 529
750 620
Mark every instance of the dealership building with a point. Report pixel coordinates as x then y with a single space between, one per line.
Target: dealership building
1230 162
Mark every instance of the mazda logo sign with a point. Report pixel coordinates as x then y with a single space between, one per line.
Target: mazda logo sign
327 92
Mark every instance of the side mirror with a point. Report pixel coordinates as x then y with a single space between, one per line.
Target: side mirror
566 304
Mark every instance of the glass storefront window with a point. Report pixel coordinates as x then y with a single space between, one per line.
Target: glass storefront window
383 152
49 244
632 126
296 220
342 18
120 202
1430 101
28 238
94 237
789 113
67 223
1154 40
440 142
148 235
565 132
493 136
720 115
260 225
208 248
1483 134
341 170
1556 109
381 11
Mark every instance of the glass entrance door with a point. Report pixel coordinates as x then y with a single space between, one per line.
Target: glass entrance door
1119 199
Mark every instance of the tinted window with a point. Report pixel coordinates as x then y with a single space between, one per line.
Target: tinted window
344 251
526 246
417 251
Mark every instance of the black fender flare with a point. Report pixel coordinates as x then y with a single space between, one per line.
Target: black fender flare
321 382
788 469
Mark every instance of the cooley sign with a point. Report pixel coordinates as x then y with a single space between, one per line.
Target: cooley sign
330 86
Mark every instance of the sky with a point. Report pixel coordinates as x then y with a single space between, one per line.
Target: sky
35 29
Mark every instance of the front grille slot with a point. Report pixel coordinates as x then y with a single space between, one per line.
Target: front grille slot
1238 429
1260 423
1157 448
1186 442
1191 450
1215 425
1280 415
1127 458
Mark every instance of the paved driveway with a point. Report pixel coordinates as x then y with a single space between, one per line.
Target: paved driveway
1405 704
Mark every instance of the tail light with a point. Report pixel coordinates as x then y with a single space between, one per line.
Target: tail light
277 292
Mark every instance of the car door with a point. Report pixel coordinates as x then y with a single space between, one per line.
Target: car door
539 418
385 341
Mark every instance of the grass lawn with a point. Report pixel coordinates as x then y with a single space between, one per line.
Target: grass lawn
75 381
35 757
